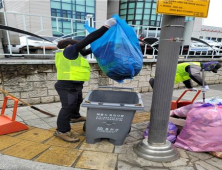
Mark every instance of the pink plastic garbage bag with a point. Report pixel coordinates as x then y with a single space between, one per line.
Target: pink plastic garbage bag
203 129
171 132
182 111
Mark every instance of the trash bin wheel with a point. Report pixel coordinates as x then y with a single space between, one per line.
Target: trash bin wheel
84 128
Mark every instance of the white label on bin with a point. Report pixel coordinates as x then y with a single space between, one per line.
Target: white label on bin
107 130
113 117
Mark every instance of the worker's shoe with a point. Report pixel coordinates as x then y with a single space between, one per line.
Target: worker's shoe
81 119
68 136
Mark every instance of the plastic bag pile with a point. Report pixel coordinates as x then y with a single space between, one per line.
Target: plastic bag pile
202 131
171 132
118 51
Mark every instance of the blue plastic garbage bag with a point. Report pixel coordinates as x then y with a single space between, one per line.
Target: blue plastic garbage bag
118 51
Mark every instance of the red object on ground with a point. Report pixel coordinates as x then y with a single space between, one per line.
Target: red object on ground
177 103
8 124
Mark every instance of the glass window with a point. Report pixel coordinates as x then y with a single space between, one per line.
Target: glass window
139 11
154 5
66 24
158 23
153 11
53 12
123 16
74 7
158 17
67 1
60 23
90 3
147 5
66 31
54 23
138 22
66 6
139 4
64 14
123 6
122 12
139 16
152 23
130 11
146 17
79 26
80 2
130 22
147 11
56 33
89 9
80 8
130 17
131 5
145 22
56 5
153 17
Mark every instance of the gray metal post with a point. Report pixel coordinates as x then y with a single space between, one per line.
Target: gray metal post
157 148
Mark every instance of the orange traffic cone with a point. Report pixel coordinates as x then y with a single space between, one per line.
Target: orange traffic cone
8 124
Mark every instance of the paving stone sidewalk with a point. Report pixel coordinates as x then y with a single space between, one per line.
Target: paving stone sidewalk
17 150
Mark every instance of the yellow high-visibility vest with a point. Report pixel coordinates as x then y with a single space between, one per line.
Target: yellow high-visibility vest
75 70
181 74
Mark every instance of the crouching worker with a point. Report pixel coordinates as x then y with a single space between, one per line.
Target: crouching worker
72 71
192 71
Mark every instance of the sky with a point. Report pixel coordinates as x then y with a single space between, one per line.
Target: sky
215 14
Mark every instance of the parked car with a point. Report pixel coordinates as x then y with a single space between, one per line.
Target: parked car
34 44
197 48
217 45
152 45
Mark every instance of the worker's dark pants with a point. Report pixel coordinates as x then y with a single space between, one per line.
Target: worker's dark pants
71 98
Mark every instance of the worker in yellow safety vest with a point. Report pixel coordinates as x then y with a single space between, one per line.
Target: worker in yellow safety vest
72 71
192 71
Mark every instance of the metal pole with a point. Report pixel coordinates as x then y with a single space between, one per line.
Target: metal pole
203 84
157 148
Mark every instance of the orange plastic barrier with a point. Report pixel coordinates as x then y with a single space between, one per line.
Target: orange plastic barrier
8 124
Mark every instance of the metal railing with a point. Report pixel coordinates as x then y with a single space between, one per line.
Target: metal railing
18 49
44 24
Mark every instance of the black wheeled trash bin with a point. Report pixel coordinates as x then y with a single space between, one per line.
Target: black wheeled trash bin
110 114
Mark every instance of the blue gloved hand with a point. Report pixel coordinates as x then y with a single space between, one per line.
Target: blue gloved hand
110 22
205 89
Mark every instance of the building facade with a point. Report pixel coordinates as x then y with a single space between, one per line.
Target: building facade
70 12
64 10
206 32
140 12
74 9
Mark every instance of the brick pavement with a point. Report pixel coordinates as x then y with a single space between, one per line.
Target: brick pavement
37 148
